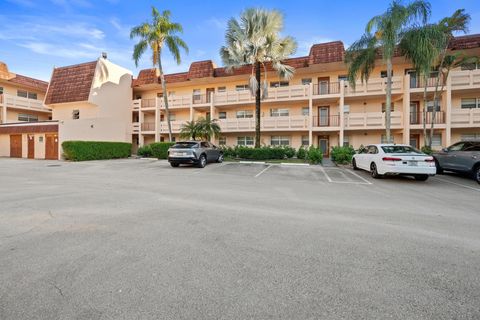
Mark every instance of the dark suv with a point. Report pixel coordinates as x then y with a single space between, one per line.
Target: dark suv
194 152
460 157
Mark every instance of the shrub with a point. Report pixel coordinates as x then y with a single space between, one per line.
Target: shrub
145 151
314 155
289 152
262 153
342 155
229 152
95 150
301 153
160 149
426 149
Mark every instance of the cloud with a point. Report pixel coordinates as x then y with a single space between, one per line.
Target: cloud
123 30
218 23
50 49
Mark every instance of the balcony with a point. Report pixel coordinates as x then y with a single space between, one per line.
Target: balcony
299 92
176 126
326 121
371 120
266 124
148 126
465 79
417 118
419 83
464 118
326 88
374 86
23 103
135 127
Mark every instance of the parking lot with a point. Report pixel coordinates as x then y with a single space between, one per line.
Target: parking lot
137 239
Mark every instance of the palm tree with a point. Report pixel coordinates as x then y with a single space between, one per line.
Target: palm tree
255 40
208 128
156 34
189 130
382 35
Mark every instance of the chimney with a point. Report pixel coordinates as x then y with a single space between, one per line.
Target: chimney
104 55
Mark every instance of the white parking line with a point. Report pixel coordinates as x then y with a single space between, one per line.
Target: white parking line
457 184
261 172
326 175
358 176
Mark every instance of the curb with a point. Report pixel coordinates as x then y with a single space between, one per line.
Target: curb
295 164
252 162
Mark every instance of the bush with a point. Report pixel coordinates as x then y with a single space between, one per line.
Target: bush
229 152
95 150
428 150
301 153
145 151
289 152
160 149
314 155
342 155
262 153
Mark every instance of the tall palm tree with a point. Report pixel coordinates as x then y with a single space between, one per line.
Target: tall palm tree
255 40
208 128
382 35
155 35
189 130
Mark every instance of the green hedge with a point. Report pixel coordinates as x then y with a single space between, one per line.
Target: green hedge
160 149
145 151
314 155
262 153
95 150
342 155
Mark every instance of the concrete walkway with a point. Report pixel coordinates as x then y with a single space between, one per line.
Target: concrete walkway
327 162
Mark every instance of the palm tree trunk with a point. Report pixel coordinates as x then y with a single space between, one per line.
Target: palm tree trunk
388 102
257 106
437 93
424 111
165 97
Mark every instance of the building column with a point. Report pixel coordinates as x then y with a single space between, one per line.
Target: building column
310 114
448 112
191 108
341 113
141 119
157 120
406 109
212 115
4 110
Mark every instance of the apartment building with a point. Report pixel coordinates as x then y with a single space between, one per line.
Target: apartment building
25 128
317 107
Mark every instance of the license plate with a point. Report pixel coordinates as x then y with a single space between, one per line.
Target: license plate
413 163
181 154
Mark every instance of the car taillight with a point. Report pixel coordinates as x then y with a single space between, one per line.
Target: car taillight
391 159
429 160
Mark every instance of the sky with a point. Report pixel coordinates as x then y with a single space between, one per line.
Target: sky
38 35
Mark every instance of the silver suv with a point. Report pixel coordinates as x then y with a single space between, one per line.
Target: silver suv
194 152
460 157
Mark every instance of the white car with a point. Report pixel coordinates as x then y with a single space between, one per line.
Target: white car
394 159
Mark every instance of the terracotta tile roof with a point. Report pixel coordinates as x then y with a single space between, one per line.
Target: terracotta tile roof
201 69
71 83
30 82
176 77
146 76
326 52
465 42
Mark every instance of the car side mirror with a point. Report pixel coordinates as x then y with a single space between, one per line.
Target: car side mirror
445 149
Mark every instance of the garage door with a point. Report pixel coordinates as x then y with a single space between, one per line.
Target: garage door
16 146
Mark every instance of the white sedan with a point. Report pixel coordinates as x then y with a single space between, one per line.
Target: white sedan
394 159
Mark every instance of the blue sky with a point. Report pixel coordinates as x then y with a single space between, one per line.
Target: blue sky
37 35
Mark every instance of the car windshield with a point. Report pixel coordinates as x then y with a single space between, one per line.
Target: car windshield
185 145
400 149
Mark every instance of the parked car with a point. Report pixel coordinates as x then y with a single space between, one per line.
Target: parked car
394 159
462 157
194 152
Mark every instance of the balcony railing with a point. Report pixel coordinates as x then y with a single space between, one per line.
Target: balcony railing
148 126
201 98
326 121
326 88
374 86
417 118
465 117
465 78
176 126
266 123
374 120
22 103
420 82
135 127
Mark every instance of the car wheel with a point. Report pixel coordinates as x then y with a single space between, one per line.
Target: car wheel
202 162
174 164
354 164
439 168
421 177
374 172
220 158
476 173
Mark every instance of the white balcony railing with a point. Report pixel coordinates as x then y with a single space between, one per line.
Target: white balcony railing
266 123
370 120
135 127
465 78
22 103
465 118
176 126
374 86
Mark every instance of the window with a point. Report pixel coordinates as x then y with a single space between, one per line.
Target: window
346 141
197 94
222 141
470 136
306 81
75 114
245 114
245 141
1 90
279 112
305 111
276 84
430 105
470 103
280 141
222 115
472 146
305 141
159 95
21 93
173 139
392 107
241 87
399 149
32 95
437 140
27 117
171 116
372 150
383 74
384 139
222 89
343 77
